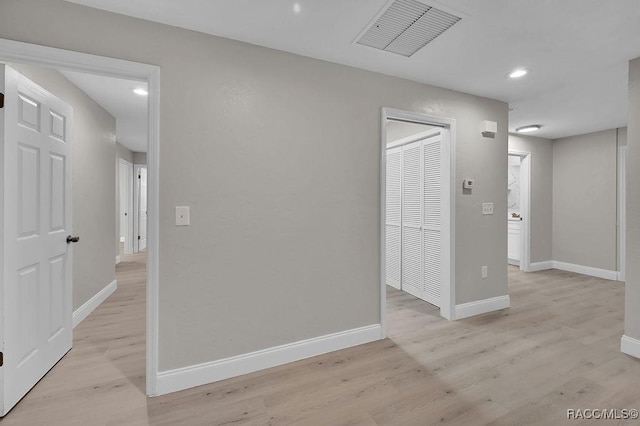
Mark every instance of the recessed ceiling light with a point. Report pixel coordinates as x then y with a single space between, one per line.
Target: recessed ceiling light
517 73
140 91
528 129
297 8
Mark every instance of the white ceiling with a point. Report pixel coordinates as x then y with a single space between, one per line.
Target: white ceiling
117 97
577 50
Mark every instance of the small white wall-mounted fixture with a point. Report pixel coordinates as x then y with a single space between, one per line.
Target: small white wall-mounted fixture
468 183
489 129
182 215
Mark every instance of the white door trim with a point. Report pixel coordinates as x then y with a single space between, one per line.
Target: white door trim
622 213
13 51
128 186
525 208
447 310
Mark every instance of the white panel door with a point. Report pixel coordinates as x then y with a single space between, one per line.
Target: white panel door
35 291
394 217
432 159
127 208
141 208
412 219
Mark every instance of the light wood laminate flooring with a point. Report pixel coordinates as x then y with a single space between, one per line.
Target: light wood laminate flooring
556 348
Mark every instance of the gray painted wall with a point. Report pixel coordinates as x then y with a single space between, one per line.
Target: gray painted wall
140 157
124 153
585 200
622 136
93 183
622 142
278 156
541 193
632 286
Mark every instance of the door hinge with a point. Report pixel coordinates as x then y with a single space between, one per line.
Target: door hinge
1 359
1 100
138 237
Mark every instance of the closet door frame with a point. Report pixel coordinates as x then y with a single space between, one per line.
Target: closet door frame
390 223
447 309
422 139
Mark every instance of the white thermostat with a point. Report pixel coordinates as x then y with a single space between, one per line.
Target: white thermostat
468 184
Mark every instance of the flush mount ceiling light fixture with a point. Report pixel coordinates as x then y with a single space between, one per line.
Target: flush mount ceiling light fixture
297 8
519 72
140 91
528 129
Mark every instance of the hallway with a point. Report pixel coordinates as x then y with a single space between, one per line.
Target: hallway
556 348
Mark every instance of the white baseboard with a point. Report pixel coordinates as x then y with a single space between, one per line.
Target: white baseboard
479 307
209 372
117 259
579 269
630 346
541 266
514 262
83 311
586 270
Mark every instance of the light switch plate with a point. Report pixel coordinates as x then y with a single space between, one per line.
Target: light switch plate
182 215
487 208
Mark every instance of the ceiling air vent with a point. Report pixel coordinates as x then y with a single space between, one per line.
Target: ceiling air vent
406 27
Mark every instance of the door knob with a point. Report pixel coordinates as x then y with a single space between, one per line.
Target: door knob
71 239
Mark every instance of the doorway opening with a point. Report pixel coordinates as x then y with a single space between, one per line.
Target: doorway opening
62 60
417 208
132 215
140 207
125 189
519 209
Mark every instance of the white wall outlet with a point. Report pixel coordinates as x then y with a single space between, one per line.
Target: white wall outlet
487 208
485 272
182 215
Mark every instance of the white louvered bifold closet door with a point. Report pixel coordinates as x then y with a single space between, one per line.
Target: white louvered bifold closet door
394 218
412 219
432 222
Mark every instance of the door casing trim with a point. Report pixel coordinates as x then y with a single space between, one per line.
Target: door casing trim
14 51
